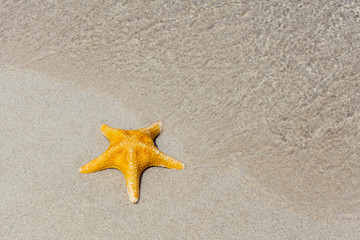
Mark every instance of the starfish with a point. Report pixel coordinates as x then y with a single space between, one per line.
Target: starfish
131 152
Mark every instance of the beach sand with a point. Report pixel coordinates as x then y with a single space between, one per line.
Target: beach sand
260 101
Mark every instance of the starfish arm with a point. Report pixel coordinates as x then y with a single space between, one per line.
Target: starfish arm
99 163
113 134
153 130
132 179
160 159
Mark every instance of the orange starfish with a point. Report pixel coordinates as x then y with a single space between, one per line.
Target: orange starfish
131 151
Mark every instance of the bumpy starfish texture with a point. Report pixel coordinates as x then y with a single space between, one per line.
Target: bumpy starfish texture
131 152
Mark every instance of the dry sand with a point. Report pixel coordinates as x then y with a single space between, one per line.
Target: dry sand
259 100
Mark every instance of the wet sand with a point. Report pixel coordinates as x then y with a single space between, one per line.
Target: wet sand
260 101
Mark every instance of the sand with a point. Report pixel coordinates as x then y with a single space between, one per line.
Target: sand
260 101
